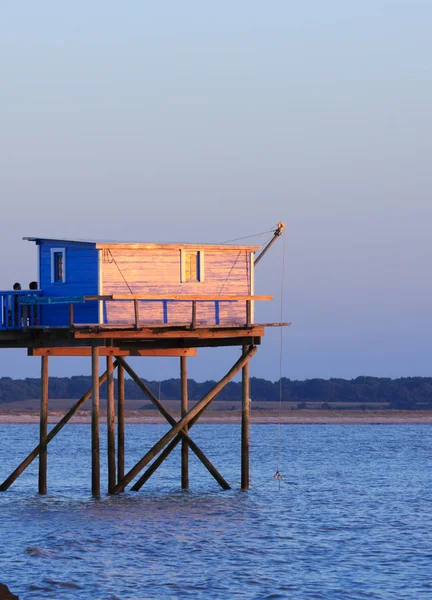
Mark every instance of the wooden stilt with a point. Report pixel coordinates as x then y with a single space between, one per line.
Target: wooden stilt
184 409
245 425
95 423
120 424
110 426
43 427
203 403
195 449
54 431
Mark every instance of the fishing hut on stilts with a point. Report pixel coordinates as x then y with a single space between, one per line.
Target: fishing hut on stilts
115 300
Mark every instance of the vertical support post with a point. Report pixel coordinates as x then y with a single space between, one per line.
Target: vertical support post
110 425
43 431
184 410
245 425
95 423
120 424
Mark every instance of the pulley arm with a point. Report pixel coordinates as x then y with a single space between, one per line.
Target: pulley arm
276 234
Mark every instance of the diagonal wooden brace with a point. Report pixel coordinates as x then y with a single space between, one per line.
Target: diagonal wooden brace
162 456
203 403
54 431
209 466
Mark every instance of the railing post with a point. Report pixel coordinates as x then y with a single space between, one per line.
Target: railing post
248 313
194 308
136 310
24 317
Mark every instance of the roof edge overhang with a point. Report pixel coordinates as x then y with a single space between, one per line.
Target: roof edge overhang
171 246
39 240
143 245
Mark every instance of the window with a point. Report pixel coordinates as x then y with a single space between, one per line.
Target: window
192 266
58 265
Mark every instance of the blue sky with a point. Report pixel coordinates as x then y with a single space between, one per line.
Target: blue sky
202 121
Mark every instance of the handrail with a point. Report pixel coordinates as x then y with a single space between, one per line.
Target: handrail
20 292
30 304
185 297
14 313
154 297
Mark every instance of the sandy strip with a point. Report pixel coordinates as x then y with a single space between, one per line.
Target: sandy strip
271 417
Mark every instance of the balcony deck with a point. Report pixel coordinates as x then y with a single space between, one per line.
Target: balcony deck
21 326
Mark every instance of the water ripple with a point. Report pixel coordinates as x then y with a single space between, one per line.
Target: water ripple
353 522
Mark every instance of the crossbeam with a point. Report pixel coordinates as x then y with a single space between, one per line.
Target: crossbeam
203 403
94 332
54 431
209 466
110 351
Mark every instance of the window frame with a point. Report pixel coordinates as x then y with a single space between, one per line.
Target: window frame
200 265
53 252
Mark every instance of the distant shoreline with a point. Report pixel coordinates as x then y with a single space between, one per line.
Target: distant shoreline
300 417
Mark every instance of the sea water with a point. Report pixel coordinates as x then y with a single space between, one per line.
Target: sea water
350 520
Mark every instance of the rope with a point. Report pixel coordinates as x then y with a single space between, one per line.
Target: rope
278 476
246 237
113 260
229 273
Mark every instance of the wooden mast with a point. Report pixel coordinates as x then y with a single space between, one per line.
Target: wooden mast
276 234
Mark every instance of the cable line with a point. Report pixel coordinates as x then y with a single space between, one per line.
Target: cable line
278 476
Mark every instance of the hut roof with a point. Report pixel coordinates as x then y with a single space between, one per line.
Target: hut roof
144 245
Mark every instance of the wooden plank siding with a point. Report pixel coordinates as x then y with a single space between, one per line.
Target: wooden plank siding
158 270
81 272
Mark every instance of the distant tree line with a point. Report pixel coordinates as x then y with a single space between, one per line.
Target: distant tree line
402 393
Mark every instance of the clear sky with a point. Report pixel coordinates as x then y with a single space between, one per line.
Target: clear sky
206 121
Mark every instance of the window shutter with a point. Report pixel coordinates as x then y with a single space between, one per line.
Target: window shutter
182 266
201 265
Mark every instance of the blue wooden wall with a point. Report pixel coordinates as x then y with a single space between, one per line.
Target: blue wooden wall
82 279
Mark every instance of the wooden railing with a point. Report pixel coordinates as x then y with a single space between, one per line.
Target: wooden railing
193 299
16 315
